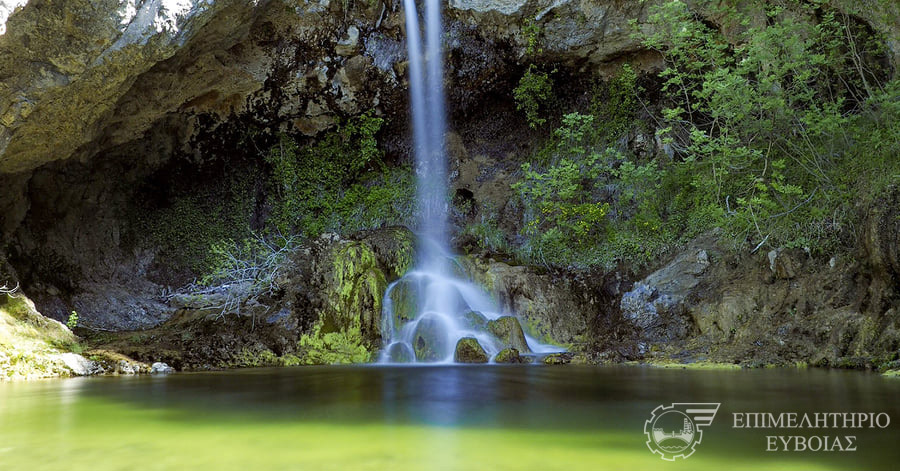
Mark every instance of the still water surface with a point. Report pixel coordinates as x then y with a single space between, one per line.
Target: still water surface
491 418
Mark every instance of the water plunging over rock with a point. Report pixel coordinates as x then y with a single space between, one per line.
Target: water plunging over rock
430 315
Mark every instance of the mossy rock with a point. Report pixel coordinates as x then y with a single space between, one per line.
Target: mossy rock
404 298
357 286
400 353
474 320
468 350
430 340
509 332
319 348
395 249
508 355
558 359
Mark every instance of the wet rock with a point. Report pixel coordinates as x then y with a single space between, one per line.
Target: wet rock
882 232
400 353
468 350
554 310
558 359
430 341
161 368
354 292
474 320
508 355
509 332
337 286
394 249
404 302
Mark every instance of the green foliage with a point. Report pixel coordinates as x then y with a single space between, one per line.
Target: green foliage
323 187
193 220
564 213
769 131
247 358
533 94
615 104
531 31
72 321
487 234
333 348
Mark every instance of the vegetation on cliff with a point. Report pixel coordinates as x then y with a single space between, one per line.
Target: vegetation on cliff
778 133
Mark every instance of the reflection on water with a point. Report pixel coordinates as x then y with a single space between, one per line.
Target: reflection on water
423 418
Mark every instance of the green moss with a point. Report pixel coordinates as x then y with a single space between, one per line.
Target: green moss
30 343
468 350
507 355
17 307
333 348
339 183
557 359
866 335
697 365
536 328
509 332
196 218
247 358
891 374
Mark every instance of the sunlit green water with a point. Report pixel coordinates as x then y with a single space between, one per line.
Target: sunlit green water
422 418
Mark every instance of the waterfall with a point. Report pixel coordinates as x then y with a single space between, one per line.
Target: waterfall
426 312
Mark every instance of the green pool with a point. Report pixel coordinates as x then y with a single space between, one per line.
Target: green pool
489 418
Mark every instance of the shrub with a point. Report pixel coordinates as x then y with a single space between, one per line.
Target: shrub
532 95
72 322
241 272
768 131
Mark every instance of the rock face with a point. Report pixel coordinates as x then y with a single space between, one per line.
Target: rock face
468 350
96 97
338 285
112 74
327 310
780 307
655 304
554 310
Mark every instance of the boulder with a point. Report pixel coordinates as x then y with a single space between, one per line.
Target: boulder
404 303
509 332
161 368
400 353
474 320
468 350
508 355
552 309
430 341
558 359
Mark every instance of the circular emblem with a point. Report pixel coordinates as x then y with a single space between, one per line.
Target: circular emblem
671 433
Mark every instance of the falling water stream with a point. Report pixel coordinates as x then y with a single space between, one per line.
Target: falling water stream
443 302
